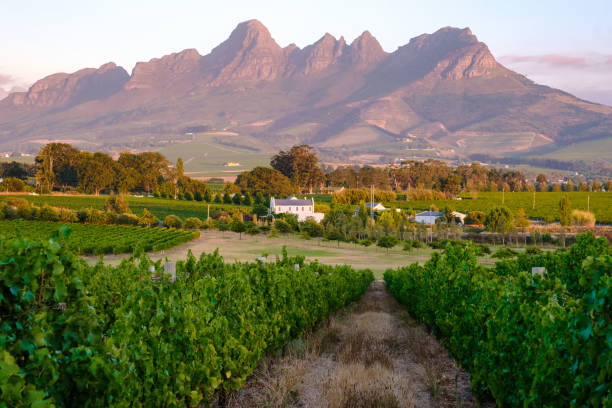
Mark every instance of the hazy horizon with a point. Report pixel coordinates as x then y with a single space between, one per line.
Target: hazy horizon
560 44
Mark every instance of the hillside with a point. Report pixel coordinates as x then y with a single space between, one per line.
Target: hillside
441 95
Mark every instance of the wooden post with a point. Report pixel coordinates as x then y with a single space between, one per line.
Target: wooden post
170 269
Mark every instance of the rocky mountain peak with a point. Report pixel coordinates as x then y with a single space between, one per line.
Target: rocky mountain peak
366 49
250 53
63 90
166 70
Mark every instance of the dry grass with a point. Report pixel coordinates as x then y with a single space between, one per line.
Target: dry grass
356 386
370 355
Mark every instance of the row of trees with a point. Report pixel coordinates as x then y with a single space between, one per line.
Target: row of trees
60 166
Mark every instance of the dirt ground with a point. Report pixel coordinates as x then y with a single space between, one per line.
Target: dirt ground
248 248
371 354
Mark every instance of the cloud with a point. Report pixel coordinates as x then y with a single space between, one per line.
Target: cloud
560 60
552 60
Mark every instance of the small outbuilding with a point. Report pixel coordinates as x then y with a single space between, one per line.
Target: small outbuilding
428 217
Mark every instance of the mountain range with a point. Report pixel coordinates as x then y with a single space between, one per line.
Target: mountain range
440 95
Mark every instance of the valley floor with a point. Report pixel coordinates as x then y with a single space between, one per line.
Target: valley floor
369 355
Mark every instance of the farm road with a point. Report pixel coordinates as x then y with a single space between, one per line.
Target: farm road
371 354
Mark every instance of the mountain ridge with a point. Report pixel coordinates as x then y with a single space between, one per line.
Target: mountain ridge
443 91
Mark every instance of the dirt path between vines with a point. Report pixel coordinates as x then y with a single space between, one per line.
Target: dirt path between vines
372 354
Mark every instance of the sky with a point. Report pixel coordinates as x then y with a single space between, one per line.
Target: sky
564 44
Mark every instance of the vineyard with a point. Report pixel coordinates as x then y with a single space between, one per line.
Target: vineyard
160 207
528 339
546 204
78 335
100 239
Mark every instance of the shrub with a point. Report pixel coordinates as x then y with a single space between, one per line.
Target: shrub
533 250
193 223
475 217
48 213
282 226
503 253
583 218
387 241
147 218
12 184
188 196
117 204
126 219
172 221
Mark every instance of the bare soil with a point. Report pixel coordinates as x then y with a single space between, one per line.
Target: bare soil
371 354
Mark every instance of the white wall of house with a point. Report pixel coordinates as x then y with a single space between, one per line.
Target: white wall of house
426 219
302 209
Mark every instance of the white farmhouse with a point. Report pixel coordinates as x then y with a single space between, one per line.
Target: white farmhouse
428 217
301 208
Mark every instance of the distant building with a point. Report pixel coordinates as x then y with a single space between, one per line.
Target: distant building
303 209
428 217
376 206
231 164
459 217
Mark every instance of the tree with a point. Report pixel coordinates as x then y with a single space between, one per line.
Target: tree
56 166
248 200
263 181
565 211
499 220
95 172
521 220
117 204
172 221
227 198
609 185
12 184
387 241
236 199
237 225
300 164
14 169
180 171
147 218
193 223
475 217
596 185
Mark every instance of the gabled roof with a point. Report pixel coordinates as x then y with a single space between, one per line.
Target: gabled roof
429 214
292 201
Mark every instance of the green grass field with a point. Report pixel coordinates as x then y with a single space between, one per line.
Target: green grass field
205 157
546 204
160 207
587 150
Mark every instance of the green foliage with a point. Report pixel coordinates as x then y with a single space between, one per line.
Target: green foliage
79 335
546 203
282 226
565 211
147 218
12 184
172 221
499 220
387 241
100 239
503 253
193 223
526 340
